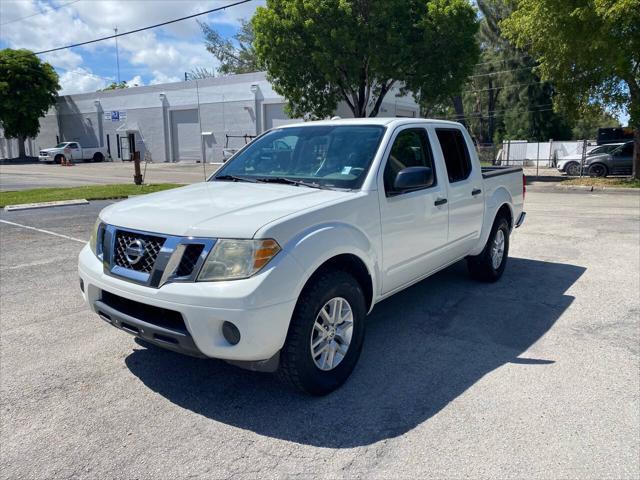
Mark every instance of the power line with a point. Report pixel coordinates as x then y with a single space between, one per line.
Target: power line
51 8
145 28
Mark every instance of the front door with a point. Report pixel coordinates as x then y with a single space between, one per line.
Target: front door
622 159
413 223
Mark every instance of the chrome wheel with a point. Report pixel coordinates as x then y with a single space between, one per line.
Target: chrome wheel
331 334
573 169
497 249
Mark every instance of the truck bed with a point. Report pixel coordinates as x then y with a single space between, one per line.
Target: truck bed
488 172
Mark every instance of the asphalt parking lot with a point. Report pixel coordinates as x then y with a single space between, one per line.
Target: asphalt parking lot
536 376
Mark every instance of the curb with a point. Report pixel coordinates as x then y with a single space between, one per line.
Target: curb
31 206
594 188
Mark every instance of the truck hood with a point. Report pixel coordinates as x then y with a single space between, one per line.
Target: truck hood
216 209
50 149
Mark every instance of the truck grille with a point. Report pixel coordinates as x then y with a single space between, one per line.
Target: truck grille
189 260
126 243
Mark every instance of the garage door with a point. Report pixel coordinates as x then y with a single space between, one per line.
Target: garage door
275 116
185 136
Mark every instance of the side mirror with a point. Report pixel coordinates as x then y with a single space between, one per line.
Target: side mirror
413 177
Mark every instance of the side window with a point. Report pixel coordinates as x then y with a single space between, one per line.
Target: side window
456 154
73 145
410 149
627 150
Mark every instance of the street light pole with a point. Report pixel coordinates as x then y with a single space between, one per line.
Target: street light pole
117 54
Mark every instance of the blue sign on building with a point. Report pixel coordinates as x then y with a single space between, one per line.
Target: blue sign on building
115 116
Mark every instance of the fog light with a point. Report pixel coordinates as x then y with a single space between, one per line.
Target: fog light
231 333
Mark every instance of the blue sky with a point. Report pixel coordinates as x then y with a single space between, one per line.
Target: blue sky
154 56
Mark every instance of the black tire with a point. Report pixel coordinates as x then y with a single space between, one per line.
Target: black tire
297 366
598 170
58 159
98 157
481 266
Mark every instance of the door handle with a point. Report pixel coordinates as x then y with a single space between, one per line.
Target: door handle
476 191
440 201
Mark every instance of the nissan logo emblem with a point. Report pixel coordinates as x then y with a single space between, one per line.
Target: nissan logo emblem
134 251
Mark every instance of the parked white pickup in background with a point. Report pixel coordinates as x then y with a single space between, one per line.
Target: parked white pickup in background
73 151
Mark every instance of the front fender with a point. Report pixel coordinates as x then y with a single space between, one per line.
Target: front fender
313 247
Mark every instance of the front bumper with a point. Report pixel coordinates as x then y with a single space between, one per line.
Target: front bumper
260 307
42 158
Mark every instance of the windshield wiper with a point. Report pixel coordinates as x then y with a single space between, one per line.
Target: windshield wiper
291 181
236 178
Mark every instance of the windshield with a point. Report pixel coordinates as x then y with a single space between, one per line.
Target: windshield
326 156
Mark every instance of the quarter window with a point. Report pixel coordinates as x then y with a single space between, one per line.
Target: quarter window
410 149
456 154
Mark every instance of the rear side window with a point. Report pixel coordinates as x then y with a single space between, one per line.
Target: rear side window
456 154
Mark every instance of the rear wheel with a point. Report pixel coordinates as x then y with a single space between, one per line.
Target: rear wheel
573 169
489 265
598 170
326 334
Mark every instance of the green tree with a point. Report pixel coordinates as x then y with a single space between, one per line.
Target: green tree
586 127
235 56
115 86
505 98
590 49
318 53
28 88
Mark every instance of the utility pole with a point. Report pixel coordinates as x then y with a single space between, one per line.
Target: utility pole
117 54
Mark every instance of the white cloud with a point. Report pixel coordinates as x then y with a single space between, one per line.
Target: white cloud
159 77
135 81
80 80
158 55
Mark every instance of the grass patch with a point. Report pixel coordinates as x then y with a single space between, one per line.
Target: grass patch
603 182
90 192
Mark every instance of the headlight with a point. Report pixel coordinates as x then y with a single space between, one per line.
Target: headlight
235 259
93 241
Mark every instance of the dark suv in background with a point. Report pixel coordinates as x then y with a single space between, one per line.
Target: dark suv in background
617 162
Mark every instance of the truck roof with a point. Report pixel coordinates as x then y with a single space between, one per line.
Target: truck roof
385 121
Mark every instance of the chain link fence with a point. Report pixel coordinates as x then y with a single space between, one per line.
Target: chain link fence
537 158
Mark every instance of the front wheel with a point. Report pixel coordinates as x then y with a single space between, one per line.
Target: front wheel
490 264
598 170
326 334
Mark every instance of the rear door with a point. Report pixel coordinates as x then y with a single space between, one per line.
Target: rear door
414 223
465 198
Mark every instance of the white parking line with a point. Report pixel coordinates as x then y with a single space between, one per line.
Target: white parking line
43 231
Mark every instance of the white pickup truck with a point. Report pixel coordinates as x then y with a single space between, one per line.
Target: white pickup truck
73 151
274 262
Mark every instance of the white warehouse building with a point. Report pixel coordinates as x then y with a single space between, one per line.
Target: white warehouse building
176 122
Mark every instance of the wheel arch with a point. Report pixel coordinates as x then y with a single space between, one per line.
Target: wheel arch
351 264
499 203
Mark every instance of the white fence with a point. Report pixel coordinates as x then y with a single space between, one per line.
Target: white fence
543 154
